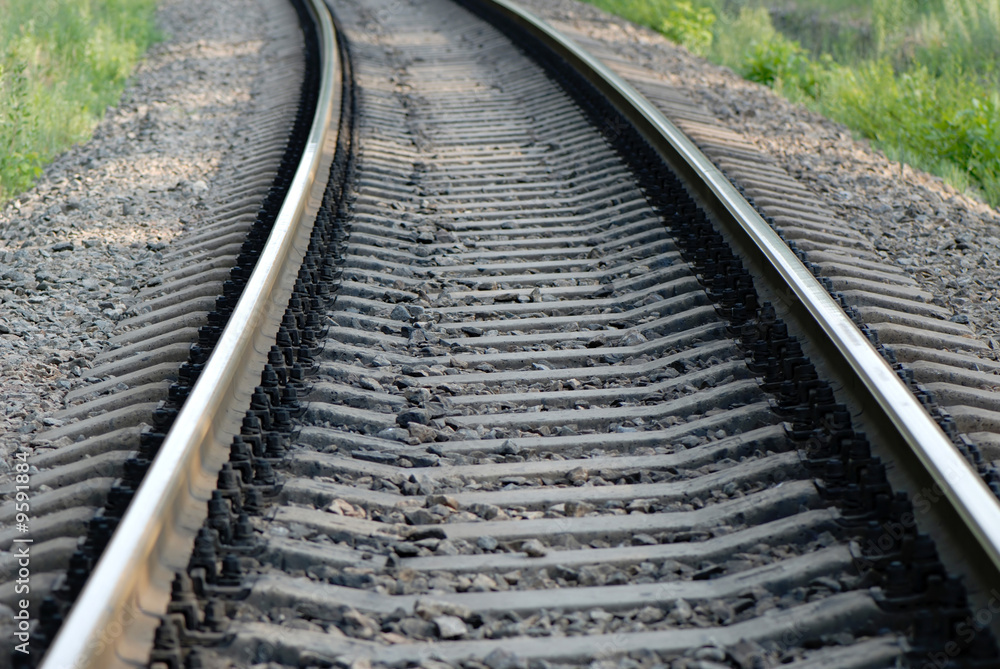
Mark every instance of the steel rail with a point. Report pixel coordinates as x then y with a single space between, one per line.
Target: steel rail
113 621
969 496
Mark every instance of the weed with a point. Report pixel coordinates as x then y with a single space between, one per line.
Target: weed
19 165
689 25
926 93
948 124
61 63
685 22
964 33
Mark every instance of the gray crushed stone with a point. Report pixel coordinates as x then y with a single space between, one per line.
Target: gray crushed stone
947 241
76 249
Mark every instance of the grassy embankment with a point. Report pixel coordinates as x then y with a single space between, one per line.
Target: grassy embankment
61 63
920 78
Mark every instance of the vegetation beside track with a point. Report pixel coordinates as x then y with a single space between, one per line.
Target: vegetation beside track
920 78
62 62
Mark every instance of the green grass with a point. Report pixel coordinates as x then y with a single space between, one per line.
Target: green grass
62 62
685 22
920 78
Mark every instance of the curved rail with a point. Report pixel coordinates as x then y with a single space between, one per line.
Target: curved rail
970 498
113 621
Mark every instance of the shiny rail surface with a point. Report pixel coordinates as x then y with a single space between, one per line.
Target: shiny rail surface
973 501
113 621
132 582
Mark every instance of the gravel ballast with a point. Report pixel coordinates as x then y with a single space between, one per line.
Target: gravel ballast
77 248
945 240
912 260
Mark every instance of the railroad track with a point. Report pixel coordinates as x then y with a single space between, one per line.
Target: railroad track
519 380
